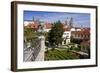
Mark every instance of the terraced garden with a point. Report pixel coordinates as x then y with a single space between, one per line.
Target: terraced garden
58 54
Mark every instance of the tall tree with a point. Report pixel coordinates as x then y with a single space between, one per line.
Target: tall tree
55 34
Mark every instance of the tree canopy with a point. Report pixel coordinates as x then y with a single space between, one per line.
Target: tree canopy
55 34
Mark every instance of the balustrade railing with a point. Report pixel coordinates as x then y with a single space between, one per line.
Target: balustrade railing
31 49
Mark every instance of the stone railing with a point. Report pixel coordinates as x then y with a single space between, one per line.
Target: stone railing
36 52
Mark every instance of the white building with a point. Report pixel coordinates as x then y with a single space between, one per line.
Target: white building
47 30
75 29
28 22
66 37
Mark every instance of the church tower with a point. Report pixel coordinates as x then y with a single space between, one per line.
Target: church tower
71 23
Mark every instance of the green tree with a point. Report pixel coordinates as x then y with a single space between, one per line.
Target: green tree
55 34
29 34
75 40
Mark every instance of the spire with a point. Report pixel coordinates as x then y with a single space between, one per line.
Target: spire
33 18
66 22
81 27
71 22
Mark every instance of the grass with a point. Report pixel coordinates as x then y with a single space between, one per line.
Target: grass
60 55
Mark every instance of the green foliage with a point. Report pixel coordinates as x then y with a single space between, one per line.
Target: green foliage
60 55
74 40
31 36
29 33
77 49
46 35
55 34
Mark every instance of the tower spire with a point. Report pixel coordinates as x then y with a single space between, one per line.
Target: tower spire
71 22
66 21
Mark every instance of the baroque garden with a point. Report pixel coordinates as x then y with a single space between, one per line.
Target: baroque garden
55 41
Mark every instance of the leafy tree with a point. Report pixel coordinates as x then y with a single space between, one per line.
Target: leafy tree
75 40
55 34
31 36
29 33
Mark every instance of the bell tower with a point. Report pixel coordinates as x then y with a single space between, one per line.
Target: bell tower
71 23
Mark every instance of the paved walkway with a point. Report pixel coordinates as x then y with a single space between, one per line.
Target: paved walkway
80 52
40 56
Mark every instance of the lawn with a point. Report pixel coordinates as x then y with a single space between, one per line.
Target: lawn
60 55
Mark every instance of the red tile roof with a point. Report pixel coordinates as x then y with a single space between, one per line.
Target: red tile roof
48 25
82 32
33 25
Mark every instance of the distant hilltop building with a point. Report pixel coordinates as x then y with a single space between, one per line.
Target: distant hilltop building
37 25
69 29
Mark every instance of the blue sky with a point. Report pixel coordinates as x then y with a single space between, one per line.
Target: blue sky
79 19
